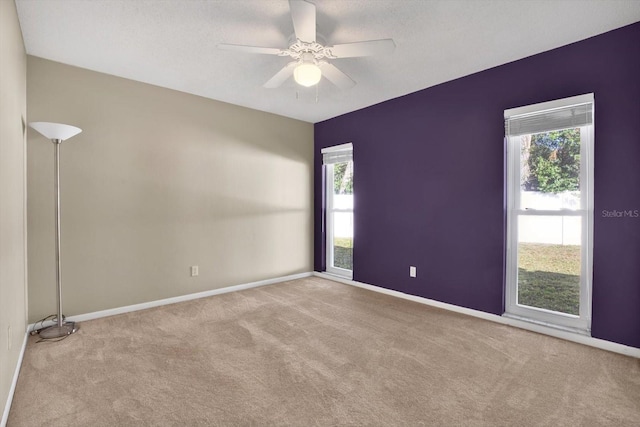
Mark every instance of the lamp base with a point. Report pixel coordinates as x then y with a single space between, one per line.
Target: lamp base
56 331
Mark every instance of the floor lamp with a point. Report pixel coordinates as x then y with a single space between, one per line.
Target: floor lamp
57 133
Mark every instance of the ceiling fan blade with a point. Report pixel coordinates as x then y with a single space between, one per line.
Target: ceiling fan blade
281 76
368 48
250 49
335 76
303 15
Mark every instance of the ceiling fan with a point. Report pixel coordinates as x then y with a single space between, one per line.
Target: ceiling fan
310 58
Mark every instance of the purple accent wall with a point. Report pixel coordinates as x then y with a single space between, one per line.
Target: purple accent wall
429 180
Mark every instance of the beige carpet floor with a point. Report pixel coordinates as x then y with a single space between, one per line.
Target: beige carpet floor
316 352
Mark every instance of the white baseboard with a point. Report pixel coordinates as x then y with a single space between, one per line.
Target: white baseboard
173 300
14 382
566 335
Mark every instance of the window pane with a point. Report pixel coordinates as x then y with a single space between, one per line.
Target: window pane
343 240
343 178
550 170
343 201
549 262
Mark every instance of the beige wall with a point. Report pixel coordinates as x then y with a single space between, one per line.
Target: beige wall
158 181
13 279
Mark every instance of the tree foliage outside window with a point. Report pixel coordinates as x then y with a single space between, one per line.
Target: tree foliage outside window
343 178
553 162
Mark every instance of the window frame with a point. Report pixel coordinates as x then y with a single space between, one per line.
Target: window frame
582 322
330 210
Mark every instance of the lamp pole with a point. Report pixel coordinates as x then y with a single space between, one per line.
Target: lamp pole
56 184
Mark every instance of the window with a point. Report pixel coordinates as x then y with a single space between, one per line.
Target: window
338 165
550 212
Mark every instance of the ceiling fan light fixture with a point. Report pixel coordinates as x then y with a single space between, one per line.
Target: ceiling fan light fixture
307 74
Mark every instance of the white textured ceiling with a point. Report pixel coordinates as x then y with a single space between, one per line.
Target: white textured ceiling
172 43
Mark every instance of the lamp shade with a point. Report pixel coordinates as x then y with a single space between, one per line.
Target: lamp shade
307 74
55 130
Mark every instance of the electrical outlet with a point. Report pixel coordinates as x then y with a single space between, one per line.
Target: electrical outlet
412 271
194 271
